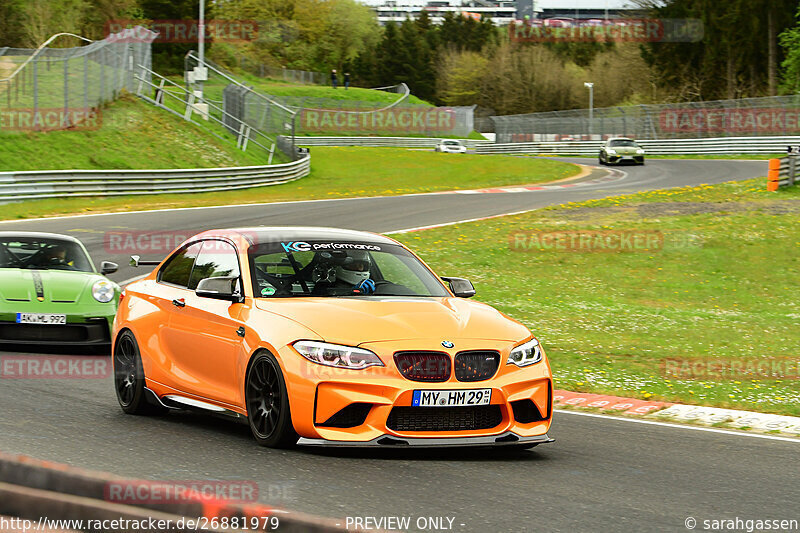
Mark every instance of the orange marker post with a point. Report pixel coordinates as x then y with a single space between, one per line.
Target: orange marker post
774 174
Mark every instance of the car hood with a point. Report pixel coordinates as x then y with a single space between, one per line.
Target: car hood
625 150
56 285
360 320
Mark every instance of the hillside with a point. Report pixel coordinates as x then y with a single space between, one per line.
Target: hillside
132 135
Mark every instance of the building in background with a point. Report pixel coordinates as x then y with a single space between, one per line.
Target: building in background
503 12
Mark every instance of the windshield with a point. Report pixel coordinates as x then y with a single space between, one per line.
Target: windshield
623 142
43 254
451 143
314 268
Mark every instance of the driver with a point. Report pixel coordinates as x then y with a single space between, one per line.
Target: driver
55 255
353 271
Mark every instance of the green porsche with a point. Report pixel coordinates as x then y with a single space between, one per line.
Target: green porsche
51 293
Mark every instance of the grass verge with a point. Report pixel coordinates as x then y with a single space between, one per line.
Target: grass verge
132 135
722 287
336 173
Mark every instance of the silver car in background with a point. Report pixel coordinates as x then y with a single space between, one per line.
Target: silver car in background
451 146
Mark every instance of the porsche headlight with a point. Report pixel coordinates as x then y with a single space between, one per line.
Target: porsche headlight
103 291
611 151
525 354
639 151
335 355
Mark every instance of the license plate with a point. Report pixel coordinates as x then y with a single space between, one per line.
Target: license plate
451 398
40 318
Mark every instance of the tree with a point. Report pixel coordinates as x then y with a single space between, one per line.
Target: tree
737 55
790 42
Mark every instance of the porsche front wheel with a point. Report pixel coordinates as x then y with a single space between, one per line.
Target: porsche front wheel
268 403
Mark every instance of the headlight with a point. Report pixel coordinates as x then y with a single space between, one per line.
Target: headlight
639 151
611 151
335 355
525 354
103 291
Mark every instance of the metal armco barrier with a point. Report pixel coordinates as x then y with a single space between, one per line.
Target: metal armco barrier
32 489
715 146
63 183
782 172
373 142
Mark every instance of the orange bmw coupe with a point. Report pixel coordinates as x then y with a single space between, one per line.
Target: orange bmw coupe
318 336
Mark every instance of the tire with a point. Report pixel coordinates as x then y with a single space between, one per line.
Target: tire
267 402
129 377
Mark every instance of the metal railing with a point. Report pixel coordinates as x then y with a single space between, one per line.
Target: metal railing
717 146
783 172
744 117
175 98
27 185
67 82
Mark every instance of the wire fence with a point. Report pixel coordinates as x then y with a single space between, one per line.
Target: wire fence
285 74
745 117
58 88
297 115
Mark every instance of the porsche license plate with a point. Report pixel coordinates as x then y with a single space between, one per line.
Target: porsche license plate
40 318
451 398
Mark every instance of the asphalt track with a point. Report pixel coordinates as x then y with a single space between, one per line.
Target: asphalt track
602 474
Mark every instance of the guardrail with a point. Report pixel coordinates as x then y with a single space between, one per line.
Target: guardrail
45 493
782 172
38 184
714 146
372 142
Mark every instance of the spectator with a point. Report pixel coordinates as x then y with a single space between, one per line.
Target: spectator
334 79
346 80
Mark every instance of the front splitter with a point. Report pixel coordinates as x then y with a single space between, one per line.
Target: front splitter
508 438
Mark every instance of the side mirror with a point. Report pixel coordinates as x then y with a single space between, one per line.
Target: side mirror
219 289
460 287
107 267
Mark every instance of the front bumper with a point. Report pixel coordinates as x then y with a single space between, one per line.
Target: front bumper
638 159
78 331
363 407
506 439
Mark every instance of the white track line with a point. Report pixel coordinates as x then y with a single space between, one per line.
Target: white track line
679 426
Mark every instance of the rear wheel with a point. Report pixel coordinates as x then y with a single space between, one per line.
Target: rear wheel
268 403
129 377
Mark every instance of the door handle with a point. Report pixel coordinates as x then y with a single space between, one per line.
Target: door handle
241 332
180 302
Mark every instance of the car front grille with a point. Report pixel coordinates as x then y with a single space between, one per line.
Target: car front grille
91 332
477 365
444 418
429 367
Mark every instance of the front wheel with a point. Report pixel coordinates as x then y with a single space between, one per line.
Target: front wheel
267 403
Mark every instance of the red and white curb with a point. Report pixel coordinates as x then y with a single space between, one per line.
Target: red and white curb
528 188
675 412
